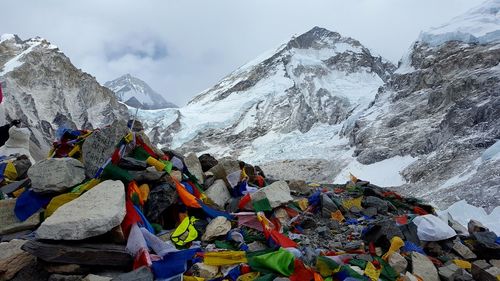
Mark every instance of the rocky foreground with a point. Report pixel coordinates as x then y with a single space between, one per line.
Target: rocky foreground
107 205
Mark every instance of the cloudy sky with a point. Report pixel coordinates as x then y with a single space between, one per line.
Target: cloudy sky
183 47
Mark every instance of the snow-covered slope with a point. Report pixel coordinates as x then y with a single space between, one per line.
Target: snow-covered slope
305 90
479 25
43 89
137 93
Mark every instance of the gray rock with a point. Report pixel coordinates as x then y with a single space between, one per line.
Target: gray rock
372 201
194 167
449 272
62 277
95 212
398 262
225 167
13 258
160 198
299 187
99 146
277 193
256 246
207 161
423 267
148 175
132 164
55 175
10 223
370 211
217 227
327 206
140 274
93 277
218 193
463 250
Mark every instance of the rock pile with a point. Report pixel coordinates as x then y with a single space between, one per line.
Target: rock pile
106 205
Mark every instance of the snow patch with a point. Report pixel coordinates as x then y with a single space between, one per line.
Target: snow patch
463 212
492 153
16 61
7 36
383 173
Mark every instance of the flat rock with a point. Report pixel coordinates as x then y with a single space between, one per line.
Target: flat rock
13 258
80 253
93 277
10 223
423 267
225 167
54 175
299 187
398 262
449 272
463 250
95 212
194 166
277 193
141 274
99 146
148 175
63 277
218 193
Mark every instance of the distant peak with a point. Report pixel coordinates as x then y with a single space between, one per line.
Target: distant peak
319 37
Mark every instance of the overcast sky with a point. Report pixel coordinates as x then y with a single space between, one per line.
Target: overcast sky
182 47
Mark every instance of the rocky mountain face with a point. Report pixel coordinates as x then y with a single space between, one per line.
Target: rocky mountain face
324 104
136 93
317 79
46 91
442 106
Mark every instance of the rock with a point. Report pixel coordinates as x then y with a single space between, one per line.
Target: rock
207 161
218 193
18 143
98 147
205 271
480 271
449 272
476 226
217 227
13 258
160 198
54 175
95 212
141 274
380 204
33 271
410 277
495 263
299 187
11 187
64 268
148 175
80 253
256 246
423 267
277 193
398 262
132 164
176 175
327 206
463 251
494 271
194 167
62 277
10 223
225 167
93 277
22 165
369 212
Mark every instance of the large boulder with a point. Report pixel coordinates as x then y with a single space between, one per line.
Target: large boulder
423 267
218 193
160 198
277 193
225 167
207 161
94 213
194 166
55 175
99 146
13 258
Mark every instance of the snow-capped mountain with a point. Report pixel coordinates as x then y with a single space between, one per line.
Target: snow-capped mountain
324 102
442 108
136 93
45 90
309 87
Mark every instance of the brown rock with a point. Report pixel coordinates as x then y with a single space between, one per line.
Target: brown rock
13 258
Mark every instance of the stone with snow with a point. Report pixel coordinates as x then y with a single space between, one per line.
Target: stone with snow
277 193
95 212
13 258
218 193
194 166
55 175
423 267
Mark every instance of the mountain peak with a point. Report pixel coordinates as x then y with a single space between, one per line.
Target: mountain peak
319 37
137 93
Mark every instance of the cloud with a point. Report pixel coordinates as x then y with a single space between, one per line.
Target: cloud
183 47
